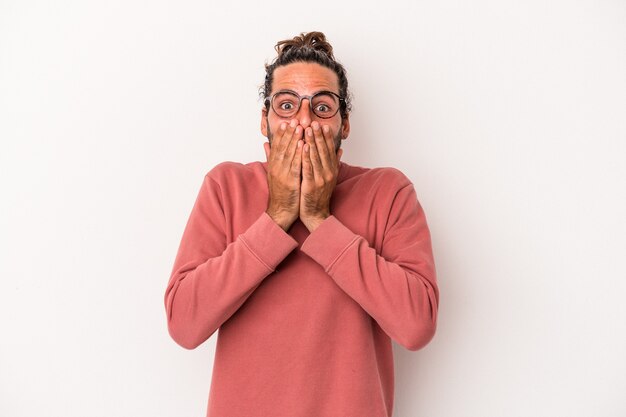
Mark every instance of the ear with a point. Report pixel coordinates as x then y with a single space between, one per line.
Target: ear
345 127
266 146
264 121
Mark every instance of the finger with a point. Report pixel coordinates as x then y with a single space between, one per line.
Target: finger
287 137
320 144
307 167
296 163
314 152
330 145
290 152
314 157
274 149
284 140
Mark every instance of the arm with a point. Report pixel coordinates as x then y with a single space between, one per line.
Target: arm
210 279
397 287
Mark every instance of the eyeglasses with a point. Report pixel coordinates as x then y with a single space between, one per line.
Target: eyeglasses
324 104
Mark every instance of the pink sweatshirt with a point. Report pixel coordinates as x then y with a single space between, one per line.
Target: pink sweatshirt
305 319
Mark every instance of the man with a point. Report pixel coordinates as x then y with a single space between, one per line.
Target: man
308 266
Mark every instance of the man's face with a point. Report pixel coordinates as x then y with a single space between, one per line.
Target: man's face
305 78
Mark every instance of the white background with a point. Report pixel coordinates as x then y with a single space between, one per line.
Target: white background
508 116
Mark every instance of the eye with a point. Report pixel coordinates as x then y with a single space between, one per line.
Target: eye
285 103
322 108
324 104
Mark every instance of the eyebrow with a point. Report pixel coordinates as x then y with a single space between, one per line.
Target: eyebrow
286 90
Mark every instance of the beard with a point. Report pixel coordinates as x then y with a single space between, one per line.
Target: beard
336 139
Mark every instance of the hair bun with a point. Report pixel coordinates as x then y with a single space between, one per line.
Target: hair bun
311 40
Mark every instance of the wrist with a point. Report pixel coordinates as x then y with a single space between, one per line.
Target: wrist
282 220
313 223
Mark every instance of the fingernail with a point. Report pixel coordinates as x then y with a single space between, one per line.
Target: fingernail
293 123
309 131
326 128
283 126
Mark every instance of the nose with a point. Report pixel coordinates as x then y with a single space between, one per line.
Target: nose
304 113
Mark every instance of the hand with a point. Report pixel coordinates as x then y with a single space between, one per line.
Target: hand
284 159
320 167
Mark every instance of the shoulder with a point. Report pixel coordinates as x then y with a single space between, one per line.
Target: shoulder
391 176
384 177
228 170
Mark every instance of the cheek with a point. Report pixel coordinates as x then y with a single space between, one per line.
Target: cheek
338 131
273 123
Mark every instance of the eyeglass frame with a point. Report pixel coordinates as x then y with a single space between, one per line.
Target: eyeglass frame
269 101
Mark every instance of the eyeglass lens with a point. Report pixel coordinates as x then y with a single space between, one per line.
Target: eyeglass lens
324 105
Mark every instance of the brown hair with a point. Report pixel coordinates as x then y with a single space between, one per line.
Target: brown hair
308 47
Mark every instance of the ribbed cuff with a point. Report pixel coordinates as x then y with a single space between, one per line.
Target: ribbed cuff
328 242
268 241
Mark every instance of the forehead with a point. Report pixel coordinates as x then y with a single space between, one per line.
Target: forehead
305 78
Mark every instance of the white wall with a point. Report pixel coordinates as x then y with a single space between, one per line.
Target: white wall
509 117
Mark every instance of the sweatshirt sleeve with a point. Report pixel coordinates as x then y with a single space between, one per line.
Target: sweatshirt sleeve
397 287
211 279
